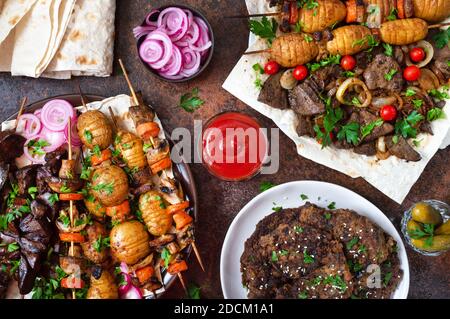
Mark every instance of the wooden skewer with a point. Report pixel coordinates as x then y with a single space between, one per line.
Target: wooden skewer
197 254
180 276
246 16
440 25
113 117
257 52
69 141
82 98
22 107
125 73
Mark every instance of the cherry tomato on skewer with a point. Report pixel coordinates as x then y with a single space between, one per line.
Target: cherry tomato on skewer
300 72
348 62
417 54
411 73
271 67
388 113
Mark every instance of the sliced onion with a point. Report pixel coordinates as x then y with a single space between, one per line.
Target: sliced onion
429 53
132 293
141 31
191 61
74 134
55 114
174 21
174 65
28 125
151 51
340 94
37 159
381 145
168 48
55 139
124 268
384 100
148 19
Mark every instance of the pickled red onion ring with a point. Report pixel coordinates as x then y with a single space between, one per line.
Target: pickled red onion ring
151 50
168 48
174 65
55 114
28 125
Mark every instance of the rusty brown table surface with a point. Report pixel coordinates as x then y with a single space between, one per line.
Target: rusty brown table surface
219 201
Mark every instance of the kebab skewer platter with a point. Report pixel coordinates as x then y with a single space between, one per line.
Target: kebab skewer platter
370 102
108 219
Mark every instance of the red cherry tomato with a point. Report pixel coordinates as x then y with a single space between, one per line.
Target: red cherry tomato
300 73
417 55
411 73
388 113
271 67
348 62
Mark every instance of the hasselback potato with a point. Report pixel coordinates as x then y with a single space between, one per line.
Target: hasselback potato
154 213
403 31
131 149
432 10
95 207
129 242
349 40
103 285
327 13
94 129
109 185
293 49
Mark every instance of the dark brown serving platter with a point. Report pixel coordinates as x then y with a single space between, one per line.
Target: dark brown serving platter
181 171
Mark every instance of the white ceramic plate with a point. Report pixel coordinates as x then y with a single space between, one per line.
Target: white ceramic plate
288 196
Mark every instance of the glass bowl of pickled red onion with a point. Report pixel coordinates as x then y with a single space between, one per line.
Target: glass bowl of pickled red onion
175 43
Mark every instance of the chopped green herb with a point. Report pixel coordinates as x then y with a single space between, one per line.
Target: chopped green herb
410 92
362 249
193 292
332 59
387 278
366 130
265 186
265 28
12 247
350 133
388 50
348 74
277 209
392 15
369 39
284 252
274 256
352 243
405 127
435 114
65 189
442 38
417 143
327 216
165 255
303 196
331 118
439 95
258 68
96 150
53 198
88 136
308 38
103 187
303 295
390 75
36 147
298 26
190 101
336 282
298 229
147 147
332 205
307 259
417 103
101 243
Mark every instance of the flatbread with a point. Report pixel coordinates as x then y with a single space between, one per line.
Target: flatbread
88 45
393 177
11 13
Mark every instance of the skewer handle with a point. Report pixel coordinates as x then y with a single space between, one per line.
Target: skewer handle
440 25
180 277
197 254
125 73
113 117
246 16
257 52
22 107
82 97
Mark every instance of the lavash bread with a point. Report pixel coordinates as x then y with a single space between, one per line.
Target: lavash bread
11 13
84 52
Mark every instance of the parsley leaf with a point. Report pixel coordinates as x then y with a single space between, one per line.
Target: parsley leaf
367 129
165 255
349 132
274 256
435 114
442 38
332 205
388 76
392 15
410 92
298 229
388 49
88 136
265 28
332 59
417 103
307 38
303 196
190 101
307 258
265 186
352 243
331 118
193 292
439 95
405 127
348 74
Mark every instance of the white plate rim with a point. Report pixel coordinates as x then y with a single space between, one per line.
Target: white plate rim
405 282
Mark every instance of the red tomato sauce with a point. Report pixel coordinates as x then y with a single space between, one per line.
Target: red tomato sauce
234 147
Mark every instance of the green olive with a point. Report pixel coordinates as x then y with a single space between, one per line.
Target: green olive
412 226
444 229
426 214
439 243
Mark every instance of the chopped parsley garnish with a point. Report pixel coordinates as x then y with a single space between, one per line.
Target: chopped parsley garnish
387 278
388 50
10 247
308 38
352 243
439 95
258 70
147 147
65 220
392 15
277 209
417 103
284 252
405 127
265 186
350 133
435 114
332 205
65 189
332 59
331 118
303 196
274 256
88 136
165 255
32 191
327 216
264 28
36 147
410 92
53 198
298 26
303 295
362 249
298 229
307 259
356 101
369 39
442 38
96 150
348 74
107 188
190 101
336 282
390 75
193 292
418 233
366 130
101 243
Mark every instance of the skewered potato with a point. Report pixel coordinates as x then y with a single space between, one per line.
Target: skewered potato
131 149
327 13
349 40
293 49
154 213
403 31
95 208
129 242
431 10
103 285
110 185
94 129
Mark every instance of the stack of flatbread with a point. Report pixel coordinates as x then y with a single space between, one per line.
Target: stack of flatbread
57 38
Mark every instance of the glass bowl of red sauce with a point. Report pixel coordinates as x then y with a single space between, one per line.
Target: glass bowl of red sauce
234 146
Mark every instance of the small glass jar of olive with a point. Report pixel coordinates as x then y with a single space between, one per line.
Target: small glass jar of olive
426 227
